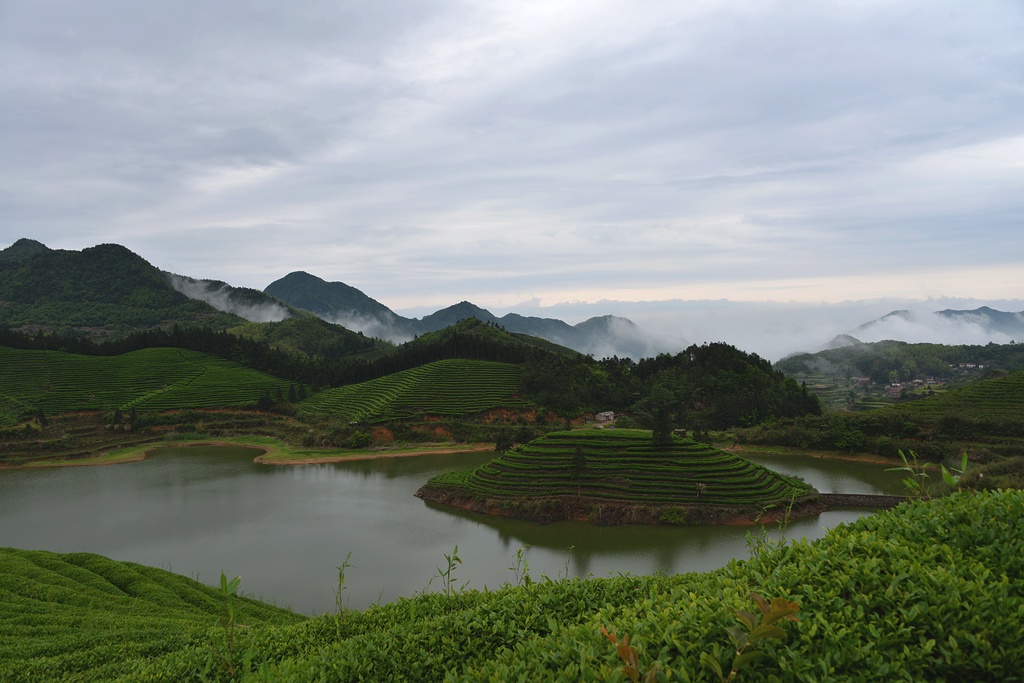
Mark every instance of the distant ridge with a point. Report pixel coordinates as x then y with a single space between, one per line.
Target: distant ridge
841 341
326 299
107 291
1011 324
601 336
983 324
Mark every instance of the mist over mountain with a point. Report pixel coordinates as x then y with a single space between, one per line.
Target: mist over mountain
250 304
600 336
343 305
978 326
776 329
108 289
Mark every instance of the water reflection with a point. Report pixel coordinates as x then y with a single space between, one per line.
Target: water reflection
834 475
285 529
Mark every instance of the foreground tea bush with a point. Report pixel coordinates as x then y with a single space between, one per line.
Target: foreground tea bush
927 591
85 617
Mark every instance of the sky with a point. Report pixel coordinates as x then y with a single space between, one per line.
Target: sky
528 155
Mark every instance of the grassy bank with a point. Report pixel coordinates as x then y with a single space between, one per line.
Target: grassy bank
275 451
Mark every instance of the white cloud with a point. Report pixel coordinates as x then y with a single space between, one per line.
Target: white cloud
428 152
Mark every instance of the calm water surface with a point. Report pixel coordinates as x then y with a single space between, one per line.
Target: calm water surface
285 529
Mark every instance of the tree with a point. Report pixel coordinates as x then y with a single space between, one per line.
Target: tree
655 411
503 443
264 402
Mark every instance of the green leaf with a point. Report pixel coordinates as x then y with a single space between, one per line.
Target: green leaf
775 615
766 631
762 604
713 664
738 636
950 479
746 618
746 658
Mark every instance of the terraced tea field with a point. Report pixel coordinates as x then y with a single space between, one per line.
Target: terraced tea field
622 465
149 379
990 400
445 387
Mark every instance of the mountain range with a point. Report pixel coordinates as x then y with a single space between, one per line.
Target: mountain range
340 303
107 290
984 324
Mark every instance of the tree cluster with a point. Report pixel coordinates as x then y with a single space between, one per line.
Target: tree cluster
711 386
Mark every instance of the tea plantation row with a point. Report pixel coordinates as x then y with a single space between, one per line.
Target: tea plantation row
927 591
991 400
149 379
176 379
446 387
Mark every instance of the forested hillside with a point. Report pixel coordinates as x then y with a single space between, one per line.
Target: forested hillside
711 386
102 291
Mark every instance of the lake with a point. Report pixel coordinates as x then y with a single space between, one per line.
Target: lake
285 529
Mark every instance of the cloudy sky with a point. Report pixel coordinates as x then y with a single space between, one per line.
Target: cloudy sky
431 151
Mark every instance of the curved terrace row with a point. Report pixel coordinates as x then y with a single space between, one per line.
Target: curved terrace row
621 466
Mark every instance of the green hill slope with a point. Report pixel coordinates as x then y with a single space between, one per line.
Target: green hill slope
468 339
104 290
615 466
149 379
312 337
85 617
446 387
928 591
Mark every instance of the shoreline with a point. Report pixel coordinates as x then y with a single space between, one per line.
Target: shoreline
376 455
810 453
607 512
266 457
